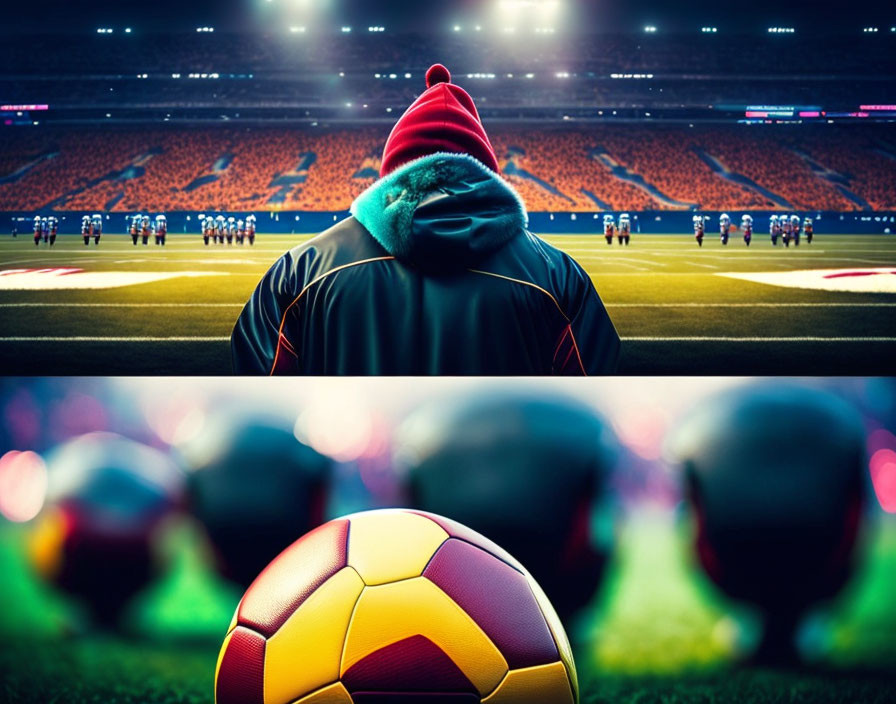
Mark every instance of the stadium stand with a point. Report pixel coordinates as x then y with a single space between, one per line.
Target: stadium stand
577 169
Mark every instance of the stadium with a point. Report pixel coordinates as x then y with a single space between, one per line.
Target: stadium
280 112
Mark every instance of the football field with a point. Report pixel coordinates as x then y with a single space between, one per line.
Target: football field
826 308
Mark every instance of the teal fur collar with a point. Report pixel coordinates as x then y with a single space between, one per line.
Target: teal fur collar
483 207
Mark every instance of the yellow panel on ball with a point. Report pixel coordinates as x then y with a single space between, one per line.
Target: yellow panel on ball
559 634
334 694
222 651
534 685
392 612
305 652
386 546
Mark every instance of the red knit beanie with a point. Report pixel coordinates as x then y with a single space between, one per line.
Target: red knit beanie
442 119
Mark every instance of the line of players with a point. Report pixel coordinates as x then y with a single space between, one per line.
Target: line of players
143 227
45 228
623 231
218 229
787 228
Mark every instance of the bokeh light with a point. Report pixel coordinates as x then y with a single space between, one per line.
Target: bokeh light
883 477
23 485
338 425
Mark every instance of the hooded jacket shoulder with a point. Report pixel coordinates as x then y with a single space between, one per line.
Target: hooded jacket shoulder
435 274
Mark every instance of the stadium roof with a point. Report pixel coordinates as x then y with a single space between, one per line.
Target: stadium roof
601 15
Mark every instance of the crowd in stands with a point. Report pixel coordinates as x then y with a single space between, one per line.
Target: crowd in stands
625 167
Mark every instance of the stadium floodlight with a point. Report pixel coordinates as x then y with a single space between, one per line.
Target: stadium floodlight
709 30
407 75
342 74
870 29
346 29
457 28
297 29
650 29
127 30
479 28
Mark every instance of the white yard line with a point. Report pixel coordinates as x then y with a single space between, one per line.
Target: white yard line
630 266
759 339
122 305
624 339
240 304
781 304
114 339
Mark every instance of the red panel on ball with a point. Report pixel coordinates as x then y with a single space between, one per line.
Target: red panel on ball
241 674
499 600
414 664
292 577
458 530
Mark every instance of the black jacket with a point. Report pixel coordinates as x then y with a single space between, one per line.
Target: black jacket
435 273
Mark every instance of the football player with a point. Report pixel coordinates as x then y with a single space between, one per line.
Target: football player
786 228
724 227
774 229
250 228
746 224
609 228
37 230
54 228
135 227
45 228
231 229
240 230
808 229
161 229
220 229
145 229
96 224
795 229
625 229
208 228
699 227
85 228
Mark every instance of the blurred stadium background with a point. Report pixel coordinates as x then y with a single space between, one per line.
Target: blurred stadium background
655 629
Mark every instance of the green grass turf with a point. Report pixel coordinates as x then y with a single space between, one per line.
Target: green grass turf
656 632
650 290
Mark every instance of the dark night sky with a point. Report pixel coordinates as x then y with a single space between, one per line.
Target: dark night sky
614 15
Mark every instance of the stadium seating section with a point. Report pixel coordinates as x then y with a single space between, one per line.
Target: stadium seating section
633 167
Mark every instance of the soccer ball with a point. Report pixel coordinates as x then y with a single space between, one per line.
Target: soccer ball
394 605
97 539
